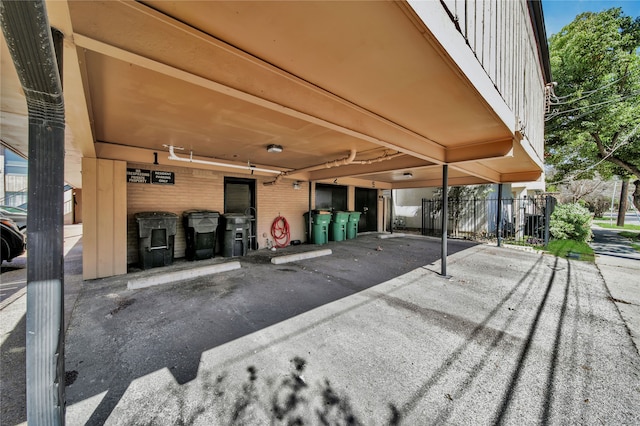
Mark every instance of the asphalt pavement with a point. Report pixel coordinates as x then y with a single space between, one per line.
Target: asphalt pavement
370 334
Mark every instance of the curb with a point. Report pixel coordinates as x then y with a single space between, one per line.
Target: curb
15 296
300 256
171 277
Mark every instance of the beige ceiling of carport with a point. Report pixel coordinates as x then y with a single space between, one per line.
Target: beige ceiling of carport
225 79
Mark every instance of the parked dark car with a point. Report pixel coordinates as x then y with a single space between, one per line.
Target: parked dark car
18 215
13 242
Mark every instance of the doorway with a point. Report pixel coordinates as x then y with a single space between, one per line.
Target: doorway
367 205
331 197
240 197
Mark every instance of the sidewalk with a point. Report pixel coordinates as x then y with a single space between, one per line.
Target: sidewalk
619 265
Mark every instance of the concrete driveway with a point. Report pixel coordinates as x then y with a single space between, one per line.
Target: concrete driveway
512 337
368 335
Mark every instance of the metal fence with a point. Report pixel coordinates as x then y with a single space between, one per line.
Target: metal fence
518 220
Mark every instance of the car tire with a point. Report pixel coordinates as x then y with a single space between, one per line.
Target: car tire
5 251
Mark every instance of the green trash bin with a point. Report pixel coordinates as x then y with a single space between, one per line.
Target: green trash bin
319 226
352 225
338 226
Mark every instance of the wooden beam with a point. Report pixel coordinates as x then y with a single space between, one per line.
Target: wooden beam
404 140
479 170
433 183
480 151
526 176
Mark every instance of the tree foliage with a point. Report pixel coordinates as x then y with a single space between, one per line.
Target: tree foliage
593 125
570 222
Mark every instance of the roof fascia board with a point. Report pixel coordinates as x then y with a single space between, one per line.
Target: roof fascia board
482 151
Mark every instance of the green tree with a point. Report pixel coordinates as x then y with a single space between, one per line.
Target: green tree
593 123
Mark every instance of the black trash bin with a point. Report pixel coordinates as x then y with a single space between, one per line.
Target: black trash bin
235 238
200 228
156 234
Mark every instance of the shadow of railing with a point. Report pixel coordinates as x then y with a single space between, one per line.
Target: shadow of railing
515 376
481 332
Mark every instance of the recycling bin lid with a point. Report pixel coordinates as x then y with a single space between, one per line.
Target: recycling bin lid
236 217
340 216
195 213
155 215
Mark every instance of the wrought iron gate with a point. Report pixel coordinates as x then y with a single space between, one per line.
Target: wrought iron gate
523 220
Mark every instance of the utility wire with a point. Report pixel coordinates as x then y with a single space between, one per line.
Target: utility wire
585 94
603 159
556 113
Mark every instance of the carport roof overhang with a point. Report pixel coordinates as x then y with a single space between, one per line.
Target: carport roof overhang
226 79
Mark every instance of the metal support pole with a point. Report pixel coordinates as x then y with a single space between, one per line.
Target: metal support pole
391 211
499 216
475 217
309 240
445 216
33 46
547 218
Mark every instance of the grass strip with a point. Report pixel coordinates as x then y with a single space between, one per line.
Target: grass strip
572 249
610 226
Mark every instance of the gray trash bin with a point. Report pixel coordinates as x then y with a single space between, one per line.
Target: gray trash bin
235 234
156 234
200 227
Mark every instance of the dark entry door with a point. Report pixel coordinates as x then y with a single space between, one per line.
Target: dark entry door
239 194
331 197
367 204
240 197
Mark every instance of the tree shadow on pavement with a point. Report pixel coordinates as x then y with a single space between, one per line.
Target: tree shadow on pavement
289 400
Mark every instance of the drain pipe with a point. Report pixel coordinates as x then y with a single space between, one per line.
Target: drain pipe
328 165
33 45
350 159
174 157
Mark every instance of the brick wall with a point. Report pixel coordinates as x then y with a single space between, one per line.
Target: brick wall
282 199
204 189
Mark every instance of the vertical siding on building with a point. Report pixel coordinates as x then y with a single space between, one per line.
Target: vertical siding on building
500 34
104 230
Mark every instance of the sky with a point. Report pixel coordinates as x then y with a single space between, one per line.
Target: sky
558 13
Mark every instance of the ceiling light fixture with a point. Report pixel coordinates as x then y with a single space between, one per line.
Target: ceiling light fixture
407 175
274 148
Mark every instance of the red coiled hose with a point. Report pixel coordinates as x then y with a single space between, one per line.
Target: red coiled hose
280 232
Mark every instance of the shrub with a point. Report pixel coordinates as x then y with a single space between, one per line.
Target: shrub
597 205
571 222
